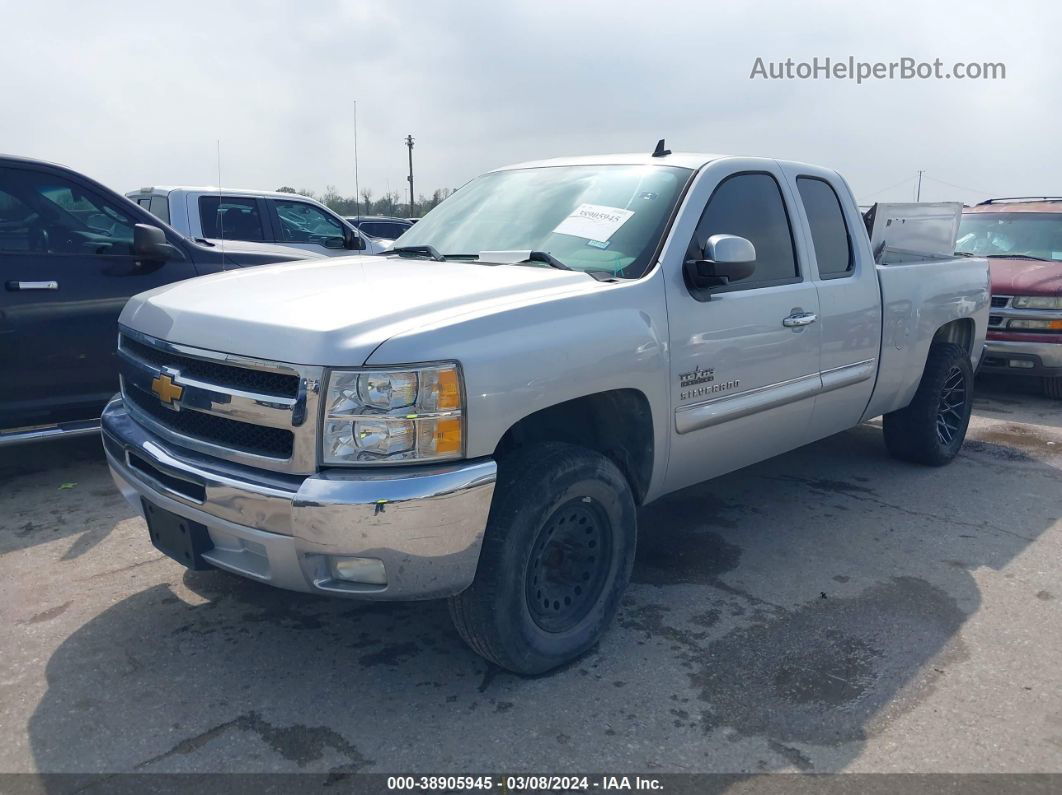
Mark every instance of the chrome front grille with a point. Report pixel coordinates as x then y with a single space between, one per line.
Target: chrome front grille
232 434
269 383
244 410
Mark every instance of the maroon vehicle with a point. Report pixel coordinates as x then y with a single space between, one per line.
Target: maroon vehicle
1022 238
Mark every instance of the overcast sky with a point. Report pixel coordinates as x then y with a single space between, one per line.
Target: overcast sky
140 93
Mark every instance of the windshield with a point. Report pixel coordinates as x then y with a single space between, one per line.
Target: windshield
1036 235
591 218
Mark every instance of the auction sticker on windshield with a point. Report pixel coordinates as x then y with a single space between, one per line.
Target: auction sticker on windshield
593 222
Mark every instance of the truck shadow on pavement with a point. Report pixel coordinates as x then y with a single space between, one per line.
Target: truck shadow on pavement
72 474
778 619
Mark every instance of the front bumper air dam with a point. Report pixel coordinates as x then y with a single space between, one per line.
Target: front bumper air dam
425 523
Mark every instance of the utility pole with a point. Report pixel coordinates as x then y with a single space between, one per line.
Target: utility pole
918 194
409 143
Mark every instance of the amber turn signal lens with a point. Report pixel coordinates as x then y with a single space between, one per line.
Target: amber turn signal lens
448 435
449 391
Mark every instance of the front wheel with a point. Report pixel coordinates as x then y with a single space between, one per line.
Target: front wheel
931 429
1053 387
557 555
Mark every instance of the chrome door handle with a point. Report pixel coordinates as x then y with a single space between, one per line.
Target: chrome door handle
801 319
33 285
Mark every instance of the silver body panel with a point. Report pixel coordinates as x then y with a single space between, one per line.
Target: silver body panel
790 363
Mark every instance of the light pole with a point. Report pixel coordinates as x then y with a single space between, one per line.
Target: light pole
409 143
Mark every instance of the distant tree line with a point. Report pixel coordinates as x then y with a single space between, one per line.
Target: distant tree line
390 203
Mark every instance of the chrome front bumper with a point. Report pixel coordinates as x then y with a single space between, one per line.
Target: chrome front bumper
425 523
1041 358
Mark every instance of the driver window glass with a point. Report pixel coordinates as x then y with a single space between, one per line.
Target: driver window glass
303 223
231 218
44 214
751 206
15 219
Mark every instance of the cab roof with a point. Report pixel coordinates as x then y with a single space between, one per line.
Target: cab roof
691 160
214 189
1019 204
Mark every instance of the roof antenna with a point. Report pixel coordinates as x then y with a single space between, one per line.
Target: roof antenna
660 151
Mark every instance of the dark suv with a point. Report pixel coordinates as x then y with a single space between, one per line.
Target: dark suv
381 226
71 253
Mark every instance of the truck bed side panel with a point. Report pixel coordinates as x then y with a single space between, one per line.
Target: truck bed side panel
917 299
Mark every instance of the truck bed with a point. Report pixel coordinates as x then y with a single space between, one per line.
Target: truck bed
917 298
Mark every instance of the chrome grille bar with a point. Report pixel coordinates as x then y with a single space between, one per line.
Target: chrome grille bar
253 424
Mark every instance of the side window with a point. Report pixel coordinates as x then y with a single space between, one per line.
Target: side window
829 233
47 214
751 206
303 223
160 207
231 217
16 218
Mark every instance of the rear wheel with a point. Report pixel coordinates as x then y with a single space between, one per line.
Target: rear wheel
931 429
557 555
1053 387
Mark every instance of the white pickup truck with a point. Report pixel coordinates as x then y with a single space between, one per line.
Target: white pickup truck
256 217
478 414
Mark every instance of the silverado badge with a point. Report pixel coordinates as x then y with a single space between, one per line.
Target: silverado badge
166 390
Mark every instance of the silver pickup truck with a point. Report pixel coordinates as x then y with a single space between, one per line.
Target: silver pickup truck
477 414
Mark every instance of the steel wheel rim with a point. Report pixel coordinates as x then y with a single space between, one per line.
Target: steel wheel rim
951 407
569 565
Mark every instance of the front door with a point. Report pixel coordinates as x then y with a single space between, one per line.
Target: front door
66 271
302 225
744 360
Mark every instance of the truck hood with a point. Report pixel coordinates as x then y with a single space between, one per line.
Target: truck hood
1025 277
336 311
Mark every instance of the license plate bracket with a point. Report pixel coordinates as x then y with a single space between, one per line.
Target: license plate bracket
181 539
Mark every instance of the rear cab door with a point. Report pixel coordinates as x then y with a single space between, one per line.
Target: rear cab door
222 216
743 375
842 269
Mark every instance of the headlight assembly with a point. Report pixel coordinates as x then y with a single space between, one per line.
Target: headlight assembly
406 415
1037 302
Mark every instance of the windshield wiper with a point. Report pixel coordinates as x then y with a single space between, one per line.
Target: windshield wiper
1017 256
548 259
423 251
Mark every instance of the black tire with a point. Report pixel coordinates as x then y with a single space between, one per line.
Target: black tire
1053 387
557 555
931 429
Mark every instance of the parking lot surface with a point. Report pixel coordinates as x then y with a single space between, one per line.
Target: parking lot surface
831 609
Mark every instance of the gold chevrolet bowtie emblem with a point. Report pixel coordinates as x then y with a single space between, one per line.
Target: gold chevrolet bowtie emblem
166 390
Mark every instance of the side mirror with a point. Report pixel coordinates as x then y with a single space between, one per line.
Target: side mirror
355 242
335 241
149 242
727 258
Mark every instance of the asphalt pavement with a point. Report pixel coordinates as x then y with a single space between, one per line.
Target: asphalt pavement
829 610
